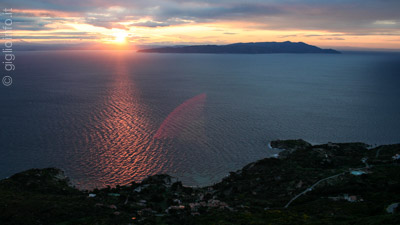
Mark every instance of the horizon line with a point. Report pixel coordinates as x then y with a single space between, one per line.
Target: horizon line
22 45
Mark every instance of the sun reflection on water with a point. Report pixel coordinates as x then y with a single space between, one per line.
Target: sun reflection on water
123 139
121 145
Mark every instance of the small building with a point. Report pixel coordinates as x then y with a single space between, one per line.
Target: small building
392 208
351 198
357 172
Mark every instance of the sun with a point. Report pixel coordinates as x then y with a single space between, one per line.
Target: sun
120 37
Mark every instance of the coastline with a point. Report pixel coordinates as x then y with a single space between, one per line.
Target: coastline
324 182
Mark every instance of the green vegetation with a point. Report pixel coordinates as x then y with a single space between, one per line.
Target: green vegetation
256 194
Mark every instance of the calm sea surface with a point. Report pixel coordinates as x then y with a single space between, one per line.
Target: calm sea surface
113 117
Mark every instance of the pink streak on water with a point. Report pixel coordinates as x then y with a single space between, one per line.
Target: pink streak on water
174 124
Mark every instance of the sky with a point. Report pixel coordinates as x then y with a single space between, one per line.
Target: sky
334 23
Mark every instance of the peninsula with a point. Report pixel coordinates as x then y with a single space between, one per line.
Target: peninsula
244 48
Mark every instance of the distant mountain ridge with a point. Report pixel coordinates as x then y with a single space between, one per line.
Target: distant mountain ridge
245 48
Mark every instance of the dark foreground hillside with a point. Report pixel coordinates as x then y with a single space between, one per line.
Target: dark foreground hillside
323 184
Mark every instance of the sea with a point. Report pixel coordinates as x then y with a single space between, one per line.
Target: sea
116 117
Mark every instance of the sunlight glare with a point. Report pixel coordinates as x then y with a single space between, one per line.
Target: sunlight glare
120 37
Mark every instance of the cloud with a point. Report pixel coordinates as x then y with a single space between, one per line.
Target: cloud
149 23
54 37
349 17
333 39
289 35
31 23
386 22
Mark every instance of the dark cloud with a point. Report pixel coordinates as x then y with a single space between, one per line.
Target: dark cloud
286 36
54 37
31 23
212 12
150 24
347 16
333 39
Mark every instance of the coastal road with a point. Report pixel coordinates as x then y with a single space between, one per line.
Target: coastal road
312 187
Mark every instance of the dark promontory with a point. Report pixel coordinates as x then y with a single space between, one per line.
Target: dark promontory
245 48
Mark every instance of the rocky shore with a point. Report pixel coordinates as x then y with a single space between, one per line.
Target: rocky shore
334 183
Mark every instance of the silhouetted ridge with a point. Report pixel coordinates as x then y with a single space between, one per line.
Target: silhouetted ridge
245 48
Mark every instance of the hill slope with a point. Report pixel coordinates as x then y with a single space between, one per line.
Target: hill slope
321 184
